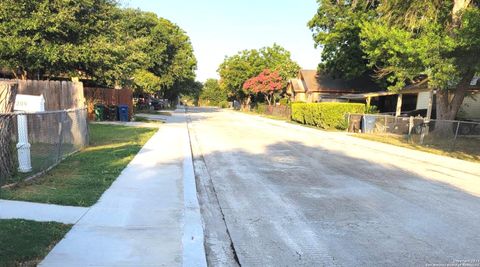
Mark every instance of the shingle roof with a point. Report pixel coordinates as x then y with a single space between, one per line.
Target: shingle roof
297 85
314 81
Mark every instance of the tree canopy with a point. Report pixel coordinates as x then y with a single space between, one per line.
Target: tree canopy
401 40
39 37
212 94
94 40
336 29
266 83
237 69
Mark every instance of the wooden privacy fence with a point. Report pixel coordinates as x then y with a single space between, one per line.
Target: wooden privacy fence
108 97
59 95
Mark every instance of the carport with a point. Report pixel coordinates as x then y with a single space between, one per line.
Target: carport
423 94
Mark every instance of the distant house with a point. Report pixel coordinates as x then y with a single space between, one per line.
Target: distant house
312 86
417 97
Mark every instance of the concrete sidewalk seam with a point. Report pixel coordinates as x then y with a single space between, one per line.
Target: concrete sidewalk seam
42 212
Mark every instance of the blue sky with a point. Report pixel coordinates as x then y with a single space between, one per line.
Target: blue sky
224 27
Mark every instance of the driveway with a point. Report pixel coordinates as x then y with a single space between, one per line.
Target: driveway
295 196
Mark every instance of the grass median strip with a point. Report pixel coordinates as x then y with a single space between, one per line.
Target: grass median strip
82 178
25 243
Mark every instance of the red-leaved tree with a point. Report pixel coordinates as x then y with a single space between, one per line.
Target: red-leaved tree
267 83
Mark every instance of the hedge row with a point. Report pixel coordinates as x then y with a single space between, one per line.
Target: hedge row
325 115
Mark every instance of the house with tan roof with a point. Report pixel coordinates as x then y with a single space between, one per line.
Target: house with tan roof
312 86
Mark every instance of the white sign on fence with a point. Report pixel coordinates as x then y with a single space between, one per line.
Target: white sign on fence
26 103
29 103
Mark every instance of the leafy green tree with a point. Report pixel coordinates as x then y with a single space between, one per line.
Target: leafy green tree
336 29
439 39
237 69
94 40
40 37
401 40
163 48
146 82
212 94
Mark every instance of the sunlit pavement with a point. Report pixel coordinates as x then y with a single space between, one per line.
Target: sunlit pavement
294 196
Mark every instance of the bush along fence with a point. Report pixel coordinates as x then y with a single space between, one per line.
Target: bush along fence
281 111
325 115
463 136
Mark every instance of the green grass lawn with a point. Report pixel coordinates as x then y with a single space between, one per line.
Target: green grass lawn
26 243
42 156
81 179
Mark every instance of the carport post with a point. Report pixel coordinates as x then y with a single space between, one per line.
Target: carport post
430 106
426 121
399 105
410 127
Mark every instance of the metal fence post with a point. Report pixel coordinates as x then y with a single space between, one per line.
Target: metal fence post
60 135
348 122
425 130
385 130
455 137
410 127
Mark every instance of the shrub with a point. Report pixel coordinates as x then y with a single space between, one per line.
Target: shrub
283 102
325 115
261 108
223 104
212 94
371 110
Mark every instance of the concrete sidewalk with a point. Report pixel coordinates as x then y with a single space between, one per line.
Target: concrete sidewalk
146 218
40 212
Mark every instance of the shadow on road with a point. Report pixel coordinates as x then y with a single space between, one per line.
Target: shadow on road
288 203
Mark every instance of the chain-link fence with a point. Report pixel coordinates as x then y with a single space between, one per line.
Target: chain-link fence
38 141
447 135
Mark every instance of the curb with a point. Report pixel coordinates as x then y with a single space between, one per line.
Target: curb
193 235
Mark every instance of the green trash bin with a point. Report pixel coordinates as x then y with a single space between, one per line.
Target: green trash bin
99 110
111 113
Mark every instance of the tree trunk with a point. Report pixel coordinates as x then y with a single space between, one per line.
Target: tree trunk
8 92
246 102
458 6
448 104
268 98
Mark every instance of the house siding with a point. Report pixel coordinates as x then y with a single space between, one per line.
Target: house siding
422 100
470 108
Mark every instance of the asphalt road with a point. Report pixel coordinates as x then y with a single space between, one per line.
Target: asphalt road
295 196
